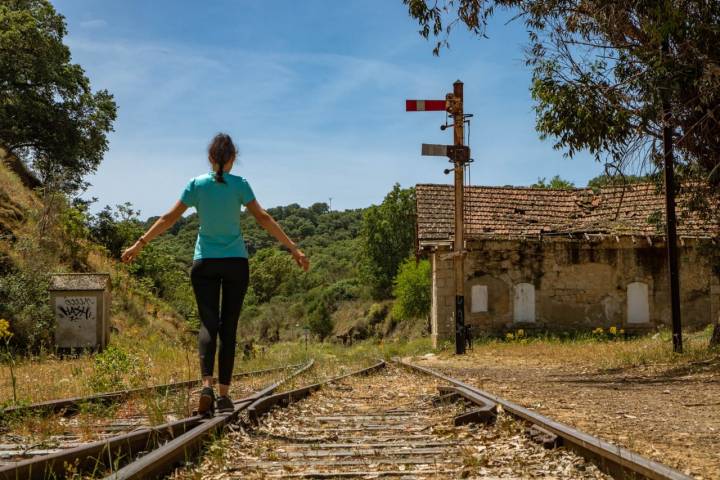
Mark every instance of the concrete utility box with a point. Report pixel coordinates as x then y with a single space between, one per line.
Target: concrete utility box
81 302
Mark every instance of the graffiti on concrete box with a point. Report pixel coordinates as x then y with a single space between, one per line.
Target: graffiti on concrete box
76 309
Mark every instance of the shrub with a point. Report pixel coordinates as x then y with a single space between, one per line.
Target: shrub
273 273
112 369
412 289
25 301
320 321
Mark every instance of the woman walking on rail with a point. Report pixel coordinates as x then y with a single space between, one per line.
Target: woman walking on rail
220 263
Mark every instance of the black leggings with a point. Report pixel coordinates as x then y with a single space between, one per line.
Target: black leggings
209 276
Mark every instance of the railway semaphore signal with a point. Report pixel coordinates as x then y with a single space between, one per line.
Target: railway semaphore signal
459 154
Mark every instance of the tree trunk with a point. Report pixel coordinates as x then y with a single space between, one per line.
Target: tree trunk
715 338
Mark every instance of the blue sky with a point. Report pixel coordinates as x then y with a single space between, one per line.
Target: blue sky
312 91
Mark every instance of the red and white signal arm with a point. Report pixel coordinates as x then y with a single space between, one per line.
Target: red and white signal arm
425 105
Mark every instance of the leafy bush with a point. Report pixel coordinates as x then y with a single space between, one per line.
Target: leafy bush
320 320
324 302
25 301
274 273
112 370
412 289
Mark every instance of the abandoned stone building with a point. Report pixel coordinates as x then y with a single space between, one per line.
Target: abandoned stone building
563 260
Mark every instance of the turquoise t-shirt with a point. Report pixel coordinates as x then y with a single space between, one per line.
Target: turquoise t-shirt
218 207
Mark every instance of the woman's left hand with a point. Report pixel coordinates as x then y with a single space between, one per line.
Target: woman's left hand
300 259
131 253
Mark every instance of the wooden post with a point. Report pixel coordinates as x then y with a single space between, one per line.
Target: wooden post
459 243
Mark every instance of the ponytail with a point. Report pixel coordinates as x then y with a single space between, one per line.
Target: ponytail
221 151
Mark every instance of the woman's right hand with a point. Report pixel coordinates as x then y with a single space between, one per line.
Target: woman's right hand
132 252
300 259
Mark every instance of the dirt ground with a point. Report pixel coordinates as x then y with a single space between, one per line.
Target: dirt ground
667 412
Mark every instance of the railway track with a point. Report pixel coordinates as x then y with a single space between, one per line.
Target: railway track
395 421
110 444
410 422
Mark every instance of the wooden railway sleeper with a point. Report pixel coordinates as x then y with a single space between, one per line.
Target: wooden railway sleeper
545 437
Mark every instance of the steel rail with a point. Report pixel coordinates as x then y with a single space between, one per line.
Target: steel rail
71 404
107 453
614 460
165 458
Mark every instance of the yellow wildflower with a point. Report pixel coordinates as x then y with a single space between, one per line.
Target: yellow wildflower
598 331
5 329
509 336
520 333
613 330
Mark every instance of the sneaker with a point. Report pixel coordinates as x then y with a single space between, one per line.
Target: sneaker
206 405
224 404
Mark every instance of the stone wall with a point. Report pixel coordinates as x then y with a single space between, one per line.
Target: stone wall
577 285
442 311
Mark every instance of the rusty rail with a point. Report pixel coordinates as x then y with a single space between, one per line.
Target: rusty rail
98 456
71 404
165 458
612 459
162 460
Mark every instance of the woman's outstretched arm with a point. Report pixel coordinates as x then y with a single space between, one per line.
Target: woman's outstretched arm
268 223
160 225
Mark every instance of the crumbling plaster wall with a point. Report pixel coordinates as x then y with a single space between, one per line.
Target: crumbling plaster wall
578 284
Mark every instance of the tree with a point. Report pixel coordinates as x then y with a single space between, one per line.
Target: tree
49 116
274 273
115 229
605 180
388 234
411 289
604 71
555 183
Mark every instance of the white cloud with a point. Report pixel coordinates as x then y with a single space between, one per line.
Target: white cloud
95 23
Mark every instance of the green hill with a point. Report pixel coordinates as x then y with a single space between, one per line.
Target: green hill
281 299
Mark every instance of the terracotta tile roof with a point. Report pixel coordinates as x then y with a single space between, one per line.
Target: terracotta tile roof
516 212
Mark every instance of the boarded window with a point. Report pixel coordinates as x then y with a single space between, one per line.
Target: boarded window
638 306
479 299
524 303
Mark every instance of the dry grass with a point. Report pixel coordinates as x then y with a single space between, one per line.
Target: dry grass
11 184
589 351
19 200
162 360
168 355
159 360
